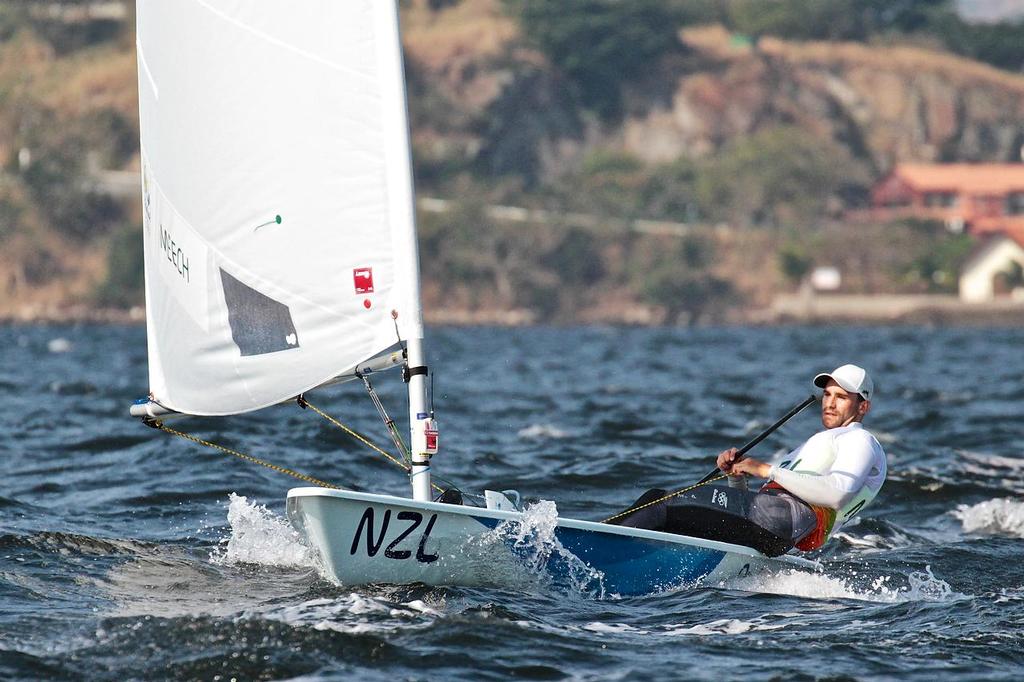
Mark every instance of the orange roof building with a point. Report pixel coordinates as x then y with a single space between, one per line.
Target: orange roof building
980 198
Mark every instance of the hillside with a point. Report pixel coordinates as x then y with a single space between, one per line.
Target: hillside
749 149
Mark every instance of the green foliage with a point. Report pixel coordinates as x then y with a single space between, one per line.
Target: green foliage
610 183
124 285
533 109
939 261
1000 44
620 187
601 44
10 212
75 30
680 281
929 227
776 176
669 193
13 16
831 19
111 138
452 244
576 259
57 178
794 262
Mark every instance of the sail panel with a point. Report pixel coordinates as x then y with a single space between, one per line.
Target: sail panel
278 220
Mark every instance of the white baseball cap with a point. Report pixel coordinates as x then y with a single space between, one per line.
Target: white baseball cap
851 378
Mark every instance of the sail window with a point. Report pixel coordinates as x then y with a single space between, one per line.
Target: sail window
259 324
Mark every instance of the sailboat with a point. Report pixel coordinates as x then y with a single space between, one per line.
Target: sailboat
281 256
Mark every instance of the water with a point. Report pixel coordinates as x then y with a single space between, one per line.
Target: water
130 554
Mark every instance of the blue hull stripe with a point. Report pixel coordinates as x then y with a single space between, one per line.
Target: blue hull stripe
631 566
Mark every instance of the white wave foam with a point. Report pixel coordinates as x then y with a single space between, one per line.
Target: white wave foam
614 629
999 461
994 517
356 614
58 345
259 536
1010 594
542 431
920 586
723 626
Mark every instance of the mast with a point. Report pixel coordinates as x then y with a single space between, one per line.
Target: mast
423 431
421 423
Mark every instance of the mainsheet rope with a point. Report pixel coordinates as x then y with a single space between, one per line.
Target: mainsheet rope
158 424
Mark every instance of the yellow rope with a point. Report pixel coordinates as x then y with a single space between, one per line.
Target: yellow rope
303 477
667 497
352 433
361 439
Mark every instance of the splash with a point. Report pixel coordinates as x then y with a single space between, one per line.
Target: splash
259 536
537 549
993 517
921 586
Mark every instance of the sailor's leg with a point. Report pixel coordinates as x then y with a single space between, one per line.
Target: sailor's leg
741 517
783 515
647 516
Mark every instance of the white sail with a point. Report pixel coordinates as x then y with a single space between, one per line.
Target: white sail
279 230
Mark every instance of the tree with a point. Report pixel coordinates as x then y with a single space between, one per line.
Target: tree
776 176
794 262
57 177
600 44
681 282
124 285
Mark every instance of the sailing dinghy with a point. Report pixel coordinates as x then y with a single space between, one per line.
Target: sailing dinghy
281 256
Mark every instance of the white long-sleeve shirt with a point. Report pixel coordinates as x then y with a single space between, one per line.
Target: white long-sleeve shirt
833 468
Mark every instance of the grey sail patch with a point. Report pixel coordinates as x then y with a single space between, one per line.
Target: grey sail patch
259 324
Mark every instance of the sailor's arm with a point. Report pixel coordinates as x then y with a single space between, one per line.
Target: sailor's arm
832 490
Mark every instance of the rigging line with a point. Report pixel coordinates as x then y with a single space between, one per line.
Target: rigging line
398 334
389 423
249 458
432 394
662 499
303 403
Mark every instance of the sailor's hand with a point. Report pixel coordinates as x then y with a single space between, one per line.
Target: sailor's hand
751 467
726 459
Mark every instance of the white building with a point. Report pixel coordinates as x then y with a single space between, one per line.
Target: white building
995 265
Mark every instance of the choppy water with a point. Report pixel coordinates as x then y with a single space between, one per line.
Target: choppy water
129 554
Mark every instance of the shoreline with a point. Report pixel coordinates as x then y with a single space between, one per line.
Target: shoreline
792 309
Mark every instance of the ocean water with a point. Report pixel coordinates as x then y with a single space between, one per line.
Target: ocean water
126 553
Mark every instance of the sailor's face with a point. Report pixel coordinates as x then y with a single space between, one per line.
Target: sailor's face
839 407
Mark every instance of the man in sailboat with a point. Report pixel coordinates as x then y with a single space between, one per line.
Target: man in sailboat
818 488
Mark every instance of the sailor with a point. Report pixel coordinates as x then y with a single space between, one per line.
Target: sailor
812 493
836 472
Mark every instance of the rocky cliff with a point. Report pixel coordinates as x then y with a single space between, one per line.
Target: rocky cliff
485 96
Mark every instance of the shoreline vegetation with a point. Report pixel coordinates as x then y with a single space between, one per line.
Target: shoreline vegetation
656 162
880 309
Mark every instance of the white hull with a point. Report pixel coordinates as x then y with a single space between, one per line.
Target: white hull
365 538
